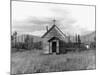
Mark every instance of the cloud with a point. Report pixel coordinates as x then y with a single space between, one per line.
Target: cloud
31 24
67 23
40 20
38 33
63 15
34 18
59 12
37 24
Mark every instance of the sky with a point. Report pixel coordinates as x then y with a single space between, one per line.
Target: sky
32 18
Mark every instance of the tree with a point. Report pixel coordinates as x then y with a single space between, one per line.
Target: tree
28 42
76 39
69 40
93 44
79 40
14 37
94 39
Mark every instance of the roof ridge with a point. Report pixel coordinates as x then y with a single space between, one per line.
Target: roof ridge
51 29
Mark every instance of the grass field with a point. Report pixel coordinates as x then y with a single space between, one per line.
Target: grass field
31 62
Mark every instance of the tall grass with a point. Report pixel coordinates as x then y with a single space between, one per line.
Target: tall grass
30 62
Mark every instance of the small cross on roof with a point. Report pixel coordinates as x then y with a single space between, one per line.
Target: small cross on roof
54 21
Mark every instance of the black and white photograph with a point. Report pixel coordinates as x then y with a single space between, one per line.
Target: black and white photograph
52 37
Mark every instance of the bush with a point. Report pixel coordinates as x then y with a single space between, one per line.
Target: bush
93 45
20 45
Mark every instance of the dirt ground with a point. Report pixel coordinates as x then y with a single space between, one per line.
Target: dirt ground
29 62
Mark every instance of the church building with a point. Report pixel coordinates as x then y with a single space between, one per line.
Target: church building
56 40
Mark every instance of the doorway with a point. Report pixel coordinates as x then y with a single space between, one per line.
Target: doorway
54 45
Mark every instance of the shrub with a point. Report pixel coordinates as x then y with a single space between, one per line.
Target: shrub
93 45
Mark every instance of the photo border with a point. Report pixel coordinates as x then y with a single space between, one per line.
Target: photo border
49 3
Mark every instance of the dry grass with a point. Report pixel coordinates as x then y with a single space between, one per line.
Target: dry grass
30 62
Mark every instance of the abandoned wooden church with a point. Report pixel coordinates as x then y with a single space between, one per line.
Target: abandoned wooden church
56 41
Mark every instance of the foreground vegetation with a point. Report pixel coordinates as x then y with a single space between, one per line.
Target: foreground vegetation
35 62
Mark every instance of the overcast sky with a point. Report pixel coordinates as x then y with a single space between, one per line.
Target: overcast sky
32 18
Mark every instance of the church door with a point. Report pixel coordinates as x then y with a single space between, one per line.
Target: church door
54 46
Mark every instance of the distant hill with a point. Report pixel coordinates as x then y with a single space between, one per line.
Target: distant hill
22 37
89 37
84 39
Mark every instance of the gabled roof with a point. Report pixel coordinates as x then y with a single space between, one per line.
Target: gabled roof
54 26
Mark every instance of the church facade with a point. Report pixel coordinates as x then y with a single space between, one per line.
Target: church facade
56 40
